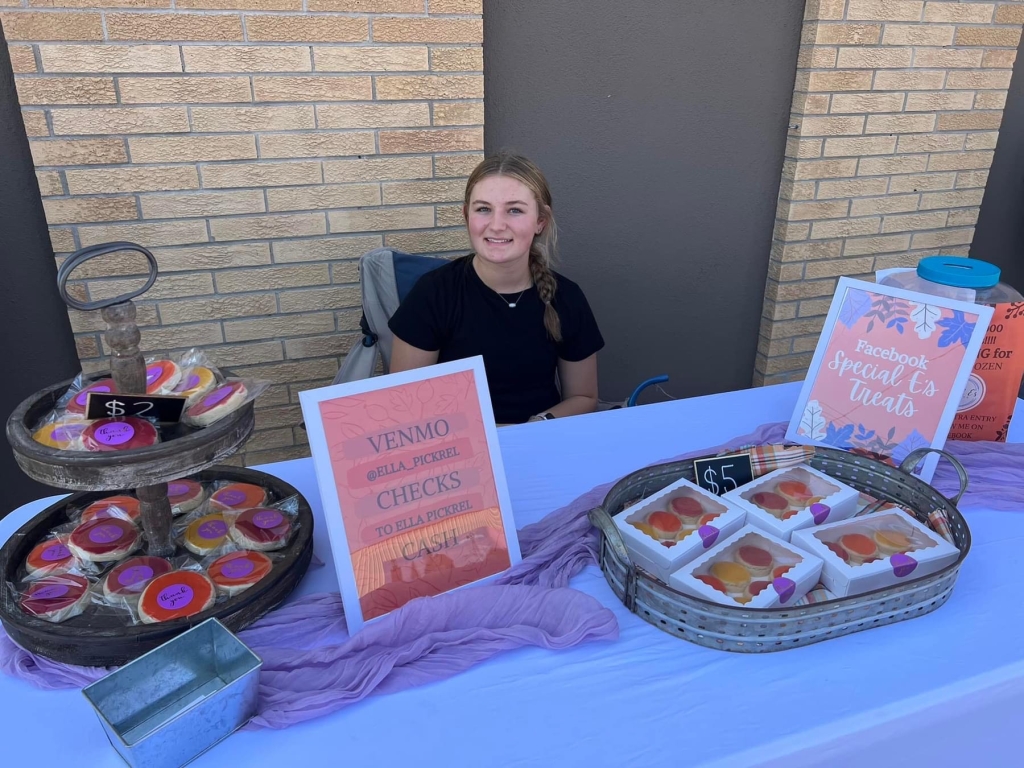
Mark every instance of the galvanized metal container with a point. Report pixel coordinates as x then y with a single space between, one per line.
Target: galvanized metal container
167 707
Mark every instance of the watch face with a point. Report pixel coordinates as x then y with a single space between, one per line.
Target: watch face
549 416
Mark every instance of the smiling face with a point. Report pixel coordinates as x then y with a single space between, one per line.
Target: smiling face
503 217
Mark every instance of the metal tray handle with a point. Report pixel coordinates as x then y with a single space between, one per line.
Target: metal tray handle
78 258
914 458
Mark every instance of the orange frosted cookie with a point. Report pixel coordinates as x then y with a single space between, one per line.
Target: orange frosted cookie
49 558
237 571
238 496
891 542
176 595
194 384
162 376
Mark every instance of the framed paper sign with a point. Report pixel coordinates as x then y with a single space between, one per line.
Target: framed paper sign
888 371
412 485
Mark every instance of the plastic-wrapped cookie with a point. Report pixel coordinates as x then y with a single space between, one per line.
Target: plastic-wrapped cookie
217 404
56 598
194 384
261 528
119 434
124 507
206 535
162 376
49 557
797 493
184 495
79 403
127 580
104 540
64 434
176 595
235 497
237 571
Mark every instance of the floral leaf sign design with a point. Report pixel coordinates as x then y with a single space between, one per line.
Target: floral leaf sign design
956 329
857 304
925 316
812 424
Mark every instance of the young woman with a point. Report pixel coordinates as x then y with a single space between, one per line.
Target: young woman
533 327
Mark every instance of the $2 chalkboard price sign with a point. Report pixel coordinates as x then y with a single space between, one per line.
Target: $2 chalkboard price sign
166 409
722 474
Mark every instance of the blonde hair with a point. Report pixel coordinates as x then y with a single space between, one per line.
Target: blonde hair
543 253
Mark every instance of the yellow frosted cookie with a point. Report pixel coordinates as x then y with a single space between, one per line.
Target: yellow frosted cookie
733 575
195 383
64 435
891 542
206 534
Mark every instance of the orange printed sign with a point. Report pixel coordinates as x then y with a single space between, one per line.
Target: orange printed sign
412 485
987 404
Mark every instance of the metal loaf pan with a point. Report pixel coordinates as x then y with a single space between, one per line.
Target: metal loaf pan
167 707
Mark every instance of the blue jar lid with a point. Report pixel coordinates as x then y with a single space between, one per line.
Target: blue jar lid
958 272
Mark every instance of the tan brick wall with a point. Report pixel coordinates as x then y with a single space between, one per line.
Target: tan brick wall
896 111
258 147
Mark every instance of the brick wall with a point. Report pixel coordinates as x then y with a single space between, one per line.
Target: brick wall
896 112
257 147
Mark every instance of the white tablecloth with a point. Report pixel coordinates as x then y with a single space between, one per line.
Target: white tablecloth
945 689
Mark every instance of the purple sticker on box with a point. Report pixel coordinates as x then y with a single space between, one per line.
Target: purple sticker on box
49 592
217 395
213 529
135 577
820 512
238 568
105 534
267 518
55 552
175 597
784 588
902 565
708 534
116 433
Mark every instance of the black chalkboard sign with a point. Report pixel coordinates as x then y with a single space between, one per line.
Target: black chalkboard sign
723 473
166 409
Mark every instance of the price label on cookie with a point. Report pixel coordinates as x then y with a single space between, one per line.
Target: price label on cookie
166 409
722 474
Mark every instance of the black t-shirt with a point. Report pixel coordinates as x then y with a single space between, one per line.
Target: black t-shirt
452 311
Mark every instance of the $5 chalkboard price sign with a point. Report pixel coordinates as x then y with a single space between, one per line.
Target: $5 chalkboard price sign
166 409
723 473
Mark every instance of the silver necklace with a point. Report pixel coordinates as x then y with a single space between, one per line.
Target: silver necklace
511 304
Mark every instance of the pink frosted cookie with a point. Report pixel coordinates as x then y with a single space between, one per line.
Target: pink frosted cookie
128 579
56 598
104 540
261 528
119 434
218 404
184 495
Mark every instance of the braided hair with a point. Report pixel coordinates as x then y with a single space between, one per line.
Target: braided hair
543 248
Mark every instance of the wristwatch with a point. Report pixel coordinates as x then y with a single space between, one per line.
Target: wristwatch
542 416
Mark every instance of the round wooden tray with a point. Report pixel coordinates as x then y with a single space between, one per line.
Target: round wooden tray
189 450
103 638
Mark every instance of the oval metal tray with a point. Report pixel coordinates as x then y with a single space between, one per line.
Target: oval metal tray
746 630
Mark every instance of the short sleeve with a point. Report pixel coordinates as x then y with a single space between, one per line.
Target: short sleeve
581 337
418 320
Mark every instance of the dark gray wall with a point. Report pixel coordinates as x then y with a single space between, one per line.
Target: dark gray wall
37 345
999 237
661 127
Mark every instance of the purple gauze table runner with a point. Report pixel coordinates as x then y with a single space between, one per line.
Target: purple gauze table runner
312 668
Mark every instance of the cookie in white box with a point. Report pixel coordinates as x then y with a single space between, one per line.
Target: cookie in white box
750 569
875 551
792 498
669 529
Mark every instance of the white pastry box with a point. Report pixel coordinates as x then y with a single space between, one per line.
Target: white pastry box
681 521
792 498
752 569
875 551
